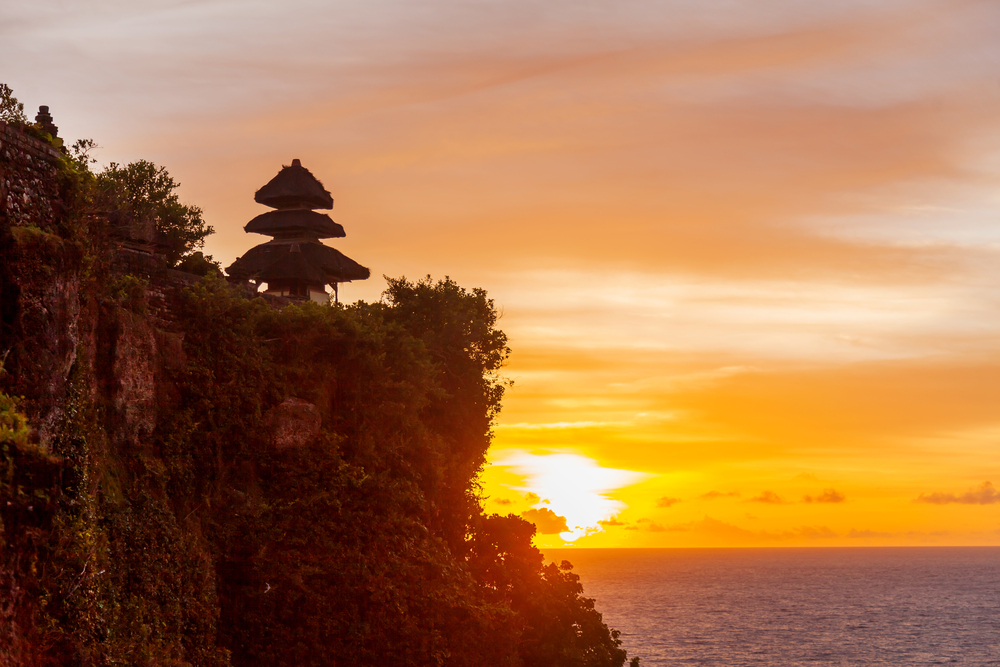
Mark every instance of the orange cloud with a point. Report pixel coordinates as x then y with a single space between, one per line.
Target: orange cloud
712 495
546 521
984 494
768 497
728 245
612 522
828 496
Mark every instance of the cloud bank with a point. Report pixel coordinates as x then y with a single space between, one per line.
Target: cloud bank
984 494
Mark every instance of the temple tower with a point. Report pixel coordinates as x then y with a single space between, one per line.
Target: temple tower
294 263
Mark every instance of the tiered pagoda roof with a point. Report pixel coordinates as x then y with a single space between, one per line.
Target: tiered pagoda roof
294 262
295 221
270 261
294 187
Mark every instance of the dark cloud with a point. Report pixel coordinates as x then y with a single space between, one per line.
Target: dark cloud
546 521
612 522
712 495
828 496
644 520
769 497
631 528
667 501
503 501
656 528
984 494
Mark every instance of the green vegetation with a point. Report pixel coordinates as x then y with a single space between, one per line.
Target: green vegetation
366 543
11 111
160 504
363 543
141 194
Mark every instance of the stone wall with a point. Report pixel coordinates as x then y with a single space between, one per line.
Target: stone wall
69 293
28 179
39 277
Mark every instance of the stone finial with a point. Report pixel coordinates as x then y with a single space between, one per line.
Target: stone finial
296 163
44 119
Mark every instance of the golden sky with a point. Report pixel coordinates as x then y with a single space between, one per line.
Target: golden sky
747 252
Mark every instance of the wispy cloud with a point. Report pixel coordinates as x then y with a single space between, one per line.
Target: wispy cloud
828 496
712 495
768 497
984 494
559 425
725 237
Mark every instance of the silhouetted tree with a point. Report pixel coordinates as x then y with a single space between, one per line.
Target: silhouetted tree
142 193
11 111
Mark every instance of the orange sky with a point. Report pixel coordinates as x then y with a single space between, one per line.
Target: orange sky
748 253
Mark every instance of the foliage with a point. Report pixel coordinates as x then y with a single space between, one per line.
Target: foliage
81 151
359 546
199 264
563 628
458 331
130 292
11 111
206 542
141 195
13 425
29 492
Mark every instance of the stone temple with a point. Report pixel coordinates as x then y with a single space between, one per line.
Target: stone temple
294 263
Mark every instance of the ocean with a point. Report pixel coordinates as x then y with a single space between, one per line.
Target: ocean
861 606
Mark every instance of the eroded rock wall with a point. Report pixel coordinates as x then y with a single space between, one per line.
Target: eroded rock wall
87 342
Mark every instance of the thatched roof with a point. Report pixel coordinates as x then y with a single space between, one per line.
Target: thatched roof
291 221
271 261
293 266
294 187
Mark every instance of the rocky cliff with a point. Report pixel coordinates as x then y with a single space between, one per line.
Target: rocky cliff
191 475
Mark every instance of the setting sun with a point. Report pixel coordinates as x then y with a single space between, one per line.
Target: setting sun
499 333
744 255
567 486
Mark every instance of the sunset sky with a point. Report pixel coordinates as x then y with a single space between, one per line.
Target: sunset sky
747 252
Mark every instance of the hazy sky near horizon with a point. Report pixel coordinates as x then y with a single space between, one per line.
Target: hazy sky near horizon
748 253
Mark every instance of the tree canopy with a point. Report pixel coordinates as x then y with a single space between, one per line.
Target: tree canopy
142 193
11 111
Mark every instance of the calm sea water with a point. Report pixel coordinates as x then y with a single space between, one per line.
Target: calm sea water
872 606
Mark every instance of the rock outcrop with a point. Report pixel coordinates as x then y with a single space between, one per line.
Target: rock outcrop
293 423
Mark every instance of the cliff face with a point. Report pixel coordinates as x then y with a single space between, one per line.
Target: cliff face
88 347
211 479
